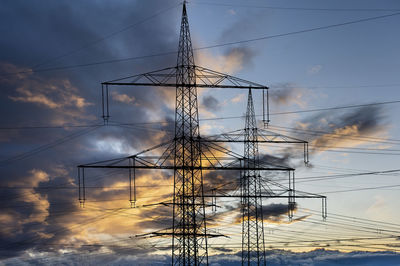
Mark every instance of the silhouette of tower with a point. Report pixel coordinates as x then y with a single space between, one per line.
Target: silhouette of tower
189 226
253 247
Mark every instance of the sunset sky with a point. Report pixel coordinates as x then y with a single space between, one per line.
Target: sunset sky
333 72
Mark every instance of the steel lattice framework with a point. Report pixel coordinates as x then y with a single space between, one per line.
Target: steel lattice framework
189 239
188 154
253 244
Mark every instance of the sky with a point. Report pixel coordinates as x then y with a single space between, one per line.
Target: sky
55 54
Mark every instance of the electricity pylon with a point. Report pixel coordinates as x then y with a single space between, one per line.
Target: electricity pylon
189 242
253 244
188 153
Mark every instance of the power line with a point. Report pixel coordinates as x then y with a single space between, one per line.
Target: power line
330 177
335 108
282 113
353 217
360 189
45 147
355 150
321 132
299 32
208 47
309 110
337 87
90 64
336 136
50 127
314 132
57 231
362 152
105 37
316 147
298 8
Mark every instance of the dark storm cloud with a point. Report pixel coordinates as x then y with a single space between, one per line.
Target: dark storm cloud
34 210
41 31
339 128
281 96
283 161
276 212
273 212
33 216
366 119
285 94
362 121
211 103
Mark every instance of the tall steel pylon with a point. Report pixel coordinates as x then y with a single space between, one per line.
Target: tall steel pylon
189 241
253 244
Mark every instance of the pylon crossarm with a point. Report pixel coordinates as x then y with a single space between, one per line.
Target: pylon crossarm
262 136
165 160
171 167
270 135
264 164
153 148
264 196
236 158
157 77
166 77
214 79
155 234
169 232
147 235
308 194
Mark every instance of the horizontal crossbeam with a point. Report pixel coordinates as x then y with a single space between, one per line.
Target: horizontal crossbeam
167 167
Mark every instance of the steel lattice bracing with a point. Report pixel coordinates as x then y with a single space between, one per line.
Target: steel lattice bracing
253 247
189 226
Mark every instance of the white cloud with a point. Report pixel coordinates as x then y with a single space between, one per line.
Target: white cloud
123 98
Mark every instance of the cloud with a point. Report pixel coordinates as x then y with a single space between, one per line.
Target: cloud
134 255
353 124
52 93
320 257
39 95
123 98
211 103
288 93
230 62
276 213
39 208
